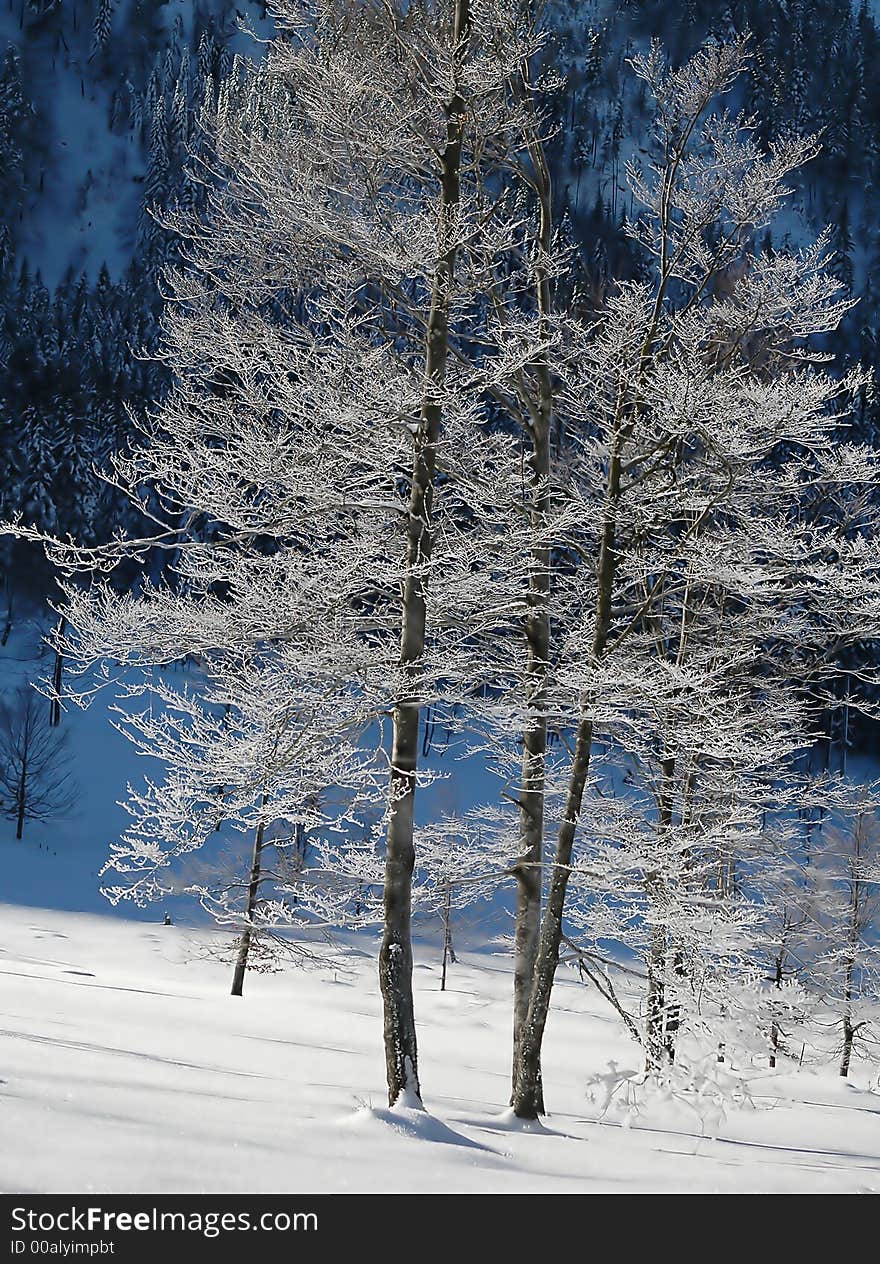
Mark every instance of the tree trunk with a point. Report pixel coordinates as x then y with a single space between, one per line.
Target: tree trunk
21 797
244 946
656 1052
528 1090
57 673
527 1098
774 1026
221 790
672 1023
659 1037
448 950
853 933
848 1034
395 954
529 870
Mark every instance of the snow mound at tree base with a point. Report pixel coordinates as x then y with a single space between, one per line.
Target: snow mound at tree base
409 1118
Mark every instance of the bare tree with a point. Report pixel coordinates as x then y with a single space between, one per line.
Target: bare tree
328 417
275 744
34 763
845 958
672 614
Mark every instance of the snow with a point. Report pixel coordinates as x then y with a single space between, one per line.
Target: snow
126 1067
85 213
58 862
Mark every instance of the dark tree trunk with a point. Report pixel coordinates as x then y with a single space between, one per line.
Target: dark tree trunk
57 674
659 1037
854 931
528 1091
527 1098
244 946
21 797
529 870
848 1036
448 950
656 1052
395 954
774 1026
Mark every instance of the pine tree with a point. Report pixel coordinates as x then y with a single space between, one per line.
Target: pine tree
16 115
103 23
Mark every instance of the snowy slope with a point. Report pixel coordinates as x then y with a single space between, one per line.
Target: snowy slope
87 187
90 180
57 861
126 1067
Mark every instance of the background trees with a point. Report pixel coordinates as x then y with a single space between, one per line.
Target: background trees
841 935
158 65
35 778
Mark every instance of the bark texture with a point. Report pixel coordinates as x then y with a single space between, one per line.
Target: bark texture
528 1094
529 870
395 953
244 946
57 678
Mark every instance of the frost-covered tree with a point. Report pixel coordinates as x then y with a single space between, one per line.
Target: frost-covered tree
461 862
718 575
843 939
253 765
323 472
530 403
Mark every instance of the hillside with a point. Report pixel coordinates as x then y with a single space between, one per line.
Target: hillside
99 106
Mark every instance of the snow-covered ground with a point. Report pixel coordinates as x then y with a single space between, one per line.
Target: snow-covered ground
57 862
126 1067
